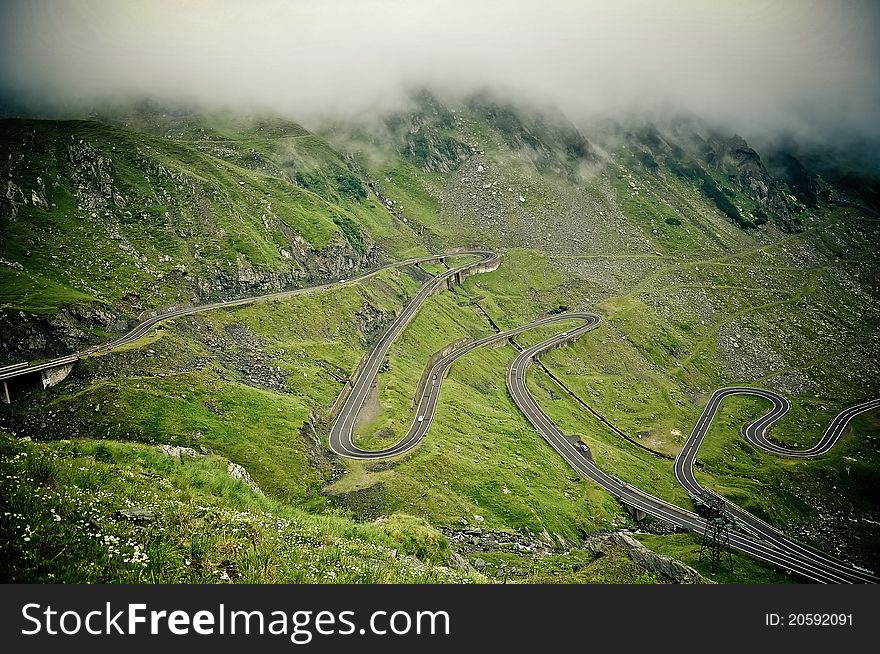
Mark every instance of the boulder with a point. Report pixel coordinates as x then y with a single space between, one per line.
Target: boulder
238 472
176 452
665 566
136 515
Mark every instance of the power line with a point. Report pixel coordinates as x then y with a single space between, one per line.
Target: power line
715 547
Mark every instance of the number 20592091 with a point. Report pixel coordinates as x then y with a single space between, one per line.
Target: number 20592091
808 619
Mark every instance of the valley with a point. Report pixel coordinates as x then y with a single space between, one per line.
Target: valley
706 271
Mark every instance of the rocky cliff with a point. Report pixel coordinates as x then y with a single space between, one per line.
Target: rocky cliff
744 167
98 224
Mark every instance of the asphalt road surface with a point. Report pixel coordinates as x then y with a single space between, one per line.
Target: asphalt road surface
26 368
756 433
750 535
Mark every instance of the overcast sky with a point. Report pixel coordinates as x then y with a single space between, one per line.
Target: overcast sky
781 64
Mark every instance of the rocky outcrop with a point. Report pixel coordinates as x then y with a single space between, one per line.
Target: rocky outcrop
744 168
425 135
372 320
803 182
138 516
475 539
32 336
458 562
338 258
243 280
660 564
92 174
434 152
546 137
13 198
176 452
472 540
696 152
238 472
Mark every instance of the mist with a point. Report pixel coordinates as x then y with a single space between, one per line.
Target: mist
758 68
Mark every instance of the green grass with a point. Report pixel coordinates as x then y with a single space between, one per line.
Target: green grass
433 268
606 371
745 570
162 391
610 452
171 205
573 567
60 503
478 446
410 189
525 285
800 308
672 213
200 409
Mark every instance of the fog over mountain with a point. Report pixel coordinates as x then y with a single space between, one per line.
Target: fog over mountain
757 67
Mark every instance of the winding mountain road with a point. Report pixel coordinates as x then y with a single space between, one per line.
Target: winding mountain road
755 433
750 535
141 329
341 434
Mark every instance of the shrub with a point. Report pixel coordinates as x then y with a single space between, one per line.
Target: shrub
103 454
351 186
351 233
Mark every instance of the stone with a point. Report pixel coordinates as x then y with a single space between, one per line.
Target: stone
458 562
136 515
176 452
238 472
660 564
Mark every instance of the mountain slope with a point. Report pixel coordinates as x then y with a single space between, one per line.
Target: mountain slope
102 223
709 266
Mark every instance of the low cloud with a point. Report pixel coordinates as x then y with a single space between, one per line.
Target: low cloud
758 67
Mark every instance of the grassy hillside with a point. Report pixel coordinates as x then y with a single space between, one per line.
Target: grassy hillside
104 222
691 298
110 512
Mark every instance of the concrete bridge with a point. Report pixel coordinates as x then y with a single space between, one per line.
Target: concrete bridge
21 378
